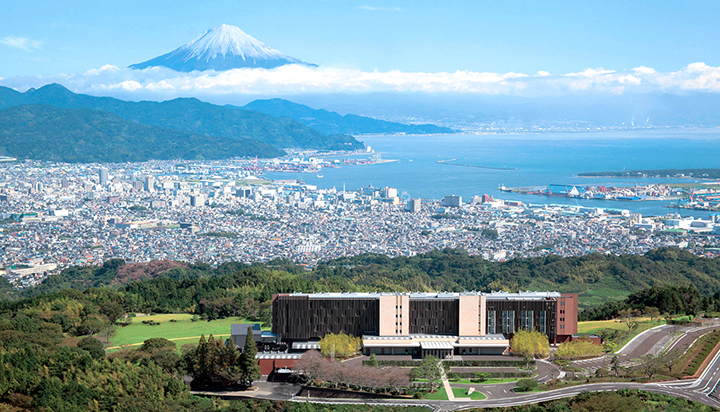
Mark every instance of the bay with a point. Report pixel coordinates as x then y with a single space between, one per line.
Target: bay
527 160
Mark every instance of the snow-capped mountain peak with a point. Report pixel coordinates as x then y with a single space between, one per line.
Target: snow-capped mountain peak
225 39
221 48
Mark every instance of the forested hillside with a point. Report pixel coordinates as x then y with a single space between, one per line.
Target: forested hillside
43 132
52 336
188 115
598 278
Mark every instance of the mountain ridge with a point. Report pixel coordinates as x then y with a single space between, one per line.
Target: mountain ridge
223 47
44 132
190 115
334 123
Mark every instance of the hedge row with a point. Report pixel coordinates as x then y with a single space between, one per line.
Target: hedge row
471 375
489 363
700 357
455 363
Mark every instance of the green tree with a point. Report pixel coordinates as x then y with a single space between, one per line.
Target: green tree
154 344
196 362
249 368
601 372
373 361
615 365
650 365
670 358
112 310
530 344
93 346
429 369
630 318
652 312
481 376
90 326
526 385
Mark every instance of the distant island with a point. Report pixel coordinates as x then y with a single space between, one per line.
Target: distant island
670 173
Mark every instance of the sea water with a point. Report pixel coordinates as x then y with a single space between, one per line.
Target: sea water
526 160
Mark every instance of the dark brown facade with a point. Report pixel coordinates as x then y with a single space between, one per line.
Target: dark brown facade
434 317
508 316
299 318
306 317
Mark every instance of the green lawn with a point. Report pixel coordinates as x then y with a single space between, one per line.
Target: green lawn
594 326
462 393
589 295
181 332
440 395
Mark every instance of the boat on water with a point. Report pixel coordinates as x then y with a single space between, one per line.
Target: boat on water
320 176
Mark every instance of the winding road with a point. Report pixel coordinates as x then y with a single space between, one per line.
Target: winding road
704 389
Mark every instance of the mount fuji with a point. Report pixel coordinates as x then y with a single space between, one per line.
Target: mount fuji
221 48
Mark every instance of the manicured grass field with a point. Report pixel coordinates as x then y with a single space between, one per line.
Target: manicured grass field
182 331
440 395
462 393
594 326
590 296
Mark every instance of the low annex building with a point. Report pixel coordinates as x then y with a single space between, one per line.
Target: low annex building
421 324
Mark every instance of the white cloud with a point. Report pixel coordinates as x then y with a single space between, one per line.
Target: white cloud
161 83
644 70
22 43
96 72
591 73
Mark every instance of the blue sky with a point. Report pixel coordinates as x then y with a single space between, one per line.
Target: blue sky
55 38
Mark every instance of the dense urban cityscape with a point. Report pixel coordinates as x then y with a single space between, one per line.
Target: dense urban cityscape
61 215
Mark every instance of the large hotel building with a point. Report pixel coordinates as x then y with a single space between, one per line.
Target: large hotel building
420 324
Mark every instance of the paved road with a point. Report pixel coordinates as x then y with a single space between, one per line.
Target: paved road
705 389
518 399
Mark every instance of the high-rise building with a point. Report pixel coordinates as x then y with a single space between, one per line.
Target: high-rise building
197 200
64 183
414 205
388 192
149 184
103 176
452 201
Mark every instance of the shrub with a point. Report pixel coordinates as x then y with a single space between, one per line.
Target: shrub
530 344
579 348
526 385
481 377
